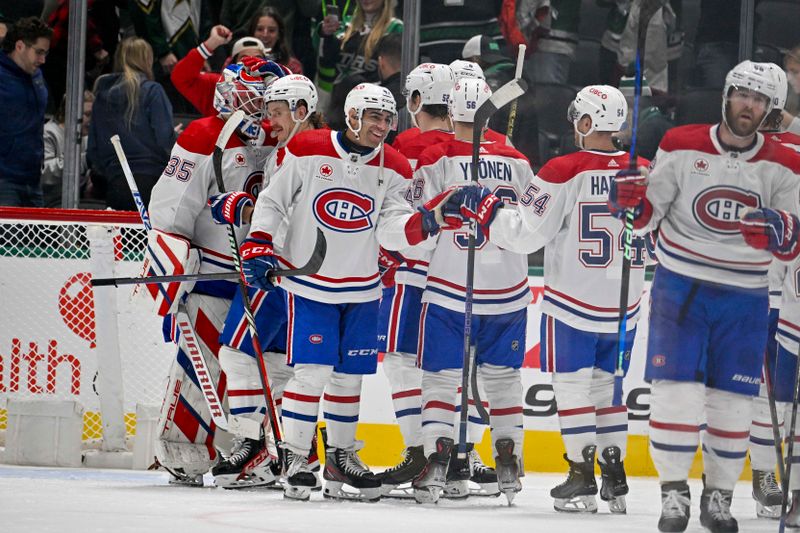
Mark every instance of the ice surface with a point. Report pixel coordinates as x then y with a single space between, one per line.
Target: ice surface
87 500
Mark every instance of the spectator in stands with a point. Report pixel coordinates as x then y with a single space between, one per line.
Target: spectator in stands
445 27
173 28
334 16
53 168
791 63
130 104
23 94
268 26
497 67
196 85
555 50
355 52
716 42
55 71
653 123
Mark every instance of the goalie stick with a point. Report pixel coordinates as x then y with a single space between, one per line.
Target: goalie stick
195 354
312 266
502 97
647 10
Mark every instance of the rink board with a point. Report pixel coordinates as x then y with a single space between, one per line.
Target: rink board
378 427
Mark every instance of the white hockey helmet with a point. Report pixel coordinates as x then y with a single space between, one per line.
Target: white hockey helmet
466 69
369 96
605 105
467 96
781 86
239 90
753 76
292 89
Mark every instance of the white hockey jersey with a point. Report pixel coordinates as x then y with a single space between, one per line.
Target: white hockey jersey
356 201
415 269
564 207
501 276
698 191
788 334
178 203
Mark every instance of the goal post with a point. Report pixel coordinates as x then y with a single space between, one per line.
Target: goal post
60 339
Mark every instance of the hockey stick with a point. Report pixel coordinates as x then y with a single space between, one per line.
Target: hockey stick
311 267
647 10
790 447
773 414
512 115
195 354
502 97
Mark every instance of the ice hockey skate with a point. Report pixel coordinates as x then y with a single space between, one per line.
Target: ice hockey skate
179 478
344 470
396 481
767 494
428 485
483 481
507 469
459 472
300 480
675 506
614 484
577 493
249 466
715 511
793 516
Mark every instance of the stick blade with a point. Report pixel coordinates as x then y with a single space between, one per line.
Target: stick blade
314 263
500 98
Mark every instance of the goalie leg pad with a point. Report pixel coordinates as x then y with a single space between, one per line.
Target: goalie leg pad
612 422
726 437
405 380
439 401
185 417
341 407
301 405
168 255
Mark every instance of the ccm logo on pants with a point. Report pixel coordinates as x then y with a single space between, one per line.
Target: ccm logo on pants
363 351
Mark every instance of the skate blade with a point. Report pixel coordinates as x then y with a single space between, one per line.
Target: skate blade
484 490
578 504
617 505
296 493
336 490
237 482
403 491
772 512
186 482
510 495
429 494
456 490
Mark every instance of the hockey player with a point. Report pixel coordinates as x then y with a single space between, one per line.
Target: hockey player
352 188
564 209
427 89
724 198
766 490
501 295
291 103
184 239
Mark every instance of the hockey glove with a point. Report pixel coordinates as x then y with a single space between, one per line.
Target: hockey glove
258 260
628 190
264 68
480 204
441 212
773 230
388 261
228 208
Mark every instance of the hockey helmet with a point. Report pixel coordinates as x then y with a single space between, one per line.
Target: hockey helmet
292 89
605 105
467 96
369 96
433 82
781 86
236 90
466 69
752 76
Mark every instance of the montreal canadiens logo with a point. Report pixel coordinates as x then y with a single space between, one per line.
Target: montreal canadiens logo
719 208
344 210
316 338
253 183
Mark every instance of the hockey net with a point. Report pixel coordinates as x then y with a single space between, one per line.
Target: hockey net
50 342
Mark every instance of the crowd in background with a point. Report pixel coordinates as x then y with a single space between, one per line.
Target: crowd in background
151 66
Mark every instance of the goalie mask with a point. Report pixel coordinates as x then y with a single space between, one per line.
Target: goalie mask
467 96
240 90
433 82
368 96
466 69
751 81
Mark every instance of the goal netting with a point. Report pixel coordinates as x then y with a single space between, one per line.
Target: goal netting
62 340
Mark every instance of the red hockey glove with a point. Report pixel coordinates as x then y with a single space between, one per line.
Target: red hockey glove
628 190
773 230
